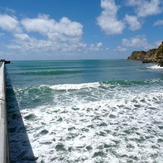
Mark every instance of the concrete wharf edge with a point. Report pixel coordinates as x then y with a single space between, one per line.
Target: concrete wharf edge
4 151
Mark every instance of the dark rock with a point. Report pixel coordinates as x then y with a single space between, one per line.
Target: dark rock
146 61
151 56
137 55
160 63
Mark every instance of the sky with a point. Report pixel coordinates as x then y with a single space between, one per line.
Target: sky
78 29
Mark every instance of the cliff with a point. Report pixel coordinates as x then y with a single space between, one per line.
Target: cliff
150 56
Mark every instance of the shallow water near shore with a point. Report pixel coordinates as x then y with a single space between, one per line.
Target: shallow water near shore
91 111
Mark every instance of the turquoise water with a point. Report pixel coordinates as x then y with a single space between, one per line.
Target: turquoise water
91 110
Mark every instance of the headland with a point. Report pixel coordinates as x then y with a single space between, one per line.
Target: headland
150 56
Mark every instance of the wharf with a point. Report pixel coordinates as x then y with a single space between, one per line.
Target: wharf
14 142
4 154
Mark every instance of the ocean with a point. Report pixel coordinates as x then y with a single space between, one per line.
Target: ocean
86 111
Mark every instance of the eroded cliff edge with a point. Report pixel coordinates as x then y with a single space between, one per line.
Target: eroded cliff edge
150 56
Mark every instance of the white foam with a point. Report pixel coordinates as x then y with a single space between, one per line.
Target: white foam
155 67
74 86
122 128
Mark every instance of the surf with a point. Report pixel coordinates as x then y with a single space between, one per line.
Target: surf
111 110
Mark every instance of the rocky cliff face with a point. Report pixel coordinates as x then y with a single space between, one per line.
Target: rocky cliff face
151 56
137 55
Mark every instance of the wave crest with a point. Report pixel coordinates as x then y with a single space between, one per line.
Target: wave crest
155 67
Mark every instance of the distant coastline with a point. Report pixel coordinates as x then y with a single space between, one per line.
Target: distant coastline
150 56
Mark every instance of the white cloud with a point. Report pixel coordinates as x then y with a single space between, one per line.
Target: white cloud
69 28
158 22
62 36
109 5
41 24
99 45
133 22
146 7
96 47
136 42
65 29
43 35
50 46
121 49
9 23
149 8
24 42
108 19
22 36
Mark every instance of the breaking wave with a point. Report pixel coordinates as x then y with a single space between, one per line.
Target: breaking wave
155 67
95 122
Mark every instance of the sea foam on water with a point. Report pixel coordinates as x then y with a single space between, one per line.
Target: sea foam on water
106 124
88 111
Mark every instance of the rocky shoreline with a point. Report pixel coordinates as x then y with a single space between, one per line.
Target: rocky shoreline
150 56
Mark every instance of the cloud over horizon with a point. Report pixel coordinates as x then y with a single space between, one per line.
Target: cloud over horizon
137 42
109 27
45 34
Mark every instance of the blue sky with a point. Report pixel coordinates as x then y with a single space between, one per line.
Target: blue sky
78 29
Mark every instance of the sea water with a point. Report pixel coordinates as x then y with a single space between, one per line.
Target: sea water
88 111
